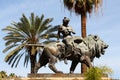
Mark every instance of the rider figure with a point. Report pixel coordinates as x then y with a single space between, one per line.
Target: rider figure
66 31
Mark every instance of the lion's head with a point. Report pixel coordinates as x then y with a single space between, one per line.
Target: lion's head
96 45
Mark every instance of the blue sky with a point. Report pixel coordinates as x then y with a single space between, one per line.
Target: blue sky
105 23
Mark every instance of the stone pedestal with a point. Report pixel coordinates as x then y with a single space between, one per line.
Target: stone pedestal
59 77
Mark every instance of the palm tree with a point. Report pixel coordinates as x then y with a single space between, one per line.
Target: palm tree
27 31
82 7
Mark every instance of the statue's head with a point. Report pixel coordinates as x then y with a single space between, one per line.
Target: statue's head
66 20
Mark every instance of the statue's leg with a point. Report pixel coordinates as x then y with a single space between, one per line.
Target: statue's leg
73 66
68 52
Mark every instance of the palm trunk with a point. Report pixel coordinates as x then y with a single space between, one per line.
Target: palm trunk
33 62
83 33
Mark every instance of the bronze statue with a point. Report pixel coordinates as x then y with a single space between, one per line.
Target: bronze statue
66 32
74 48
91 46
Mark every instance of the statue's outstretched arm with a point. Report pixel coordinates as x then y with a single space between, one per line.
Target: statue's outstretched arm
72 31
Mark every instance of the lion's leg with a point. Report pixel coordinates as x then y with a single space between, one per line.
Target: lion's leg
37 67
43 60
88 61
52 60
51 65
73 66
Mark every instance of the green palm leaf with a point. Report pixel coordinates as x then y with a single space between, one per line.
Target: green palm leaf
52 29
15 51
18 60
27 57
15 59
46 42
9 47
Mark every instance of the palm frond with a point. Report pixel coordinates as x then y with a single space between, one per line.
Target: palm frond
9 47
52 29
15 59
37 23
26 22
46 42
27 57
40 20
69 4
13 31
18 60
44 25
47 21
11 41
49 36
11 58
15 51
32 21
82 6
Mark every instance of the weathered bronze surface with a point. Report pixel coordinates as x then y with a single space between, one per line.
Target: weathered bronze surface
74 48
